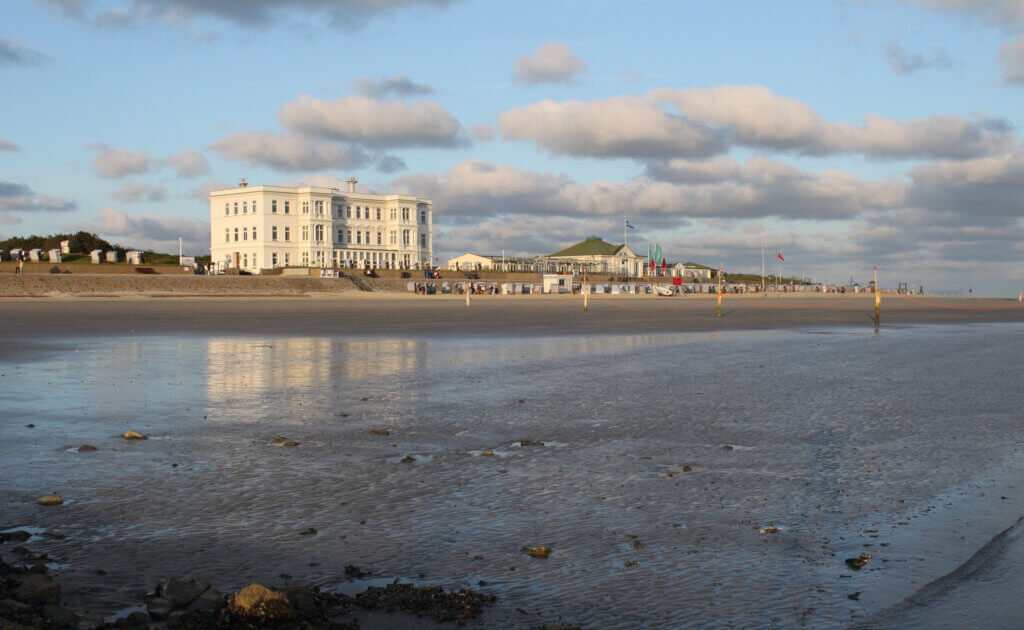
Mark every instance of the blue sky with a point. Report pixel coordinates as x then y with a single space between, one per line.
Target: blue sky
845 134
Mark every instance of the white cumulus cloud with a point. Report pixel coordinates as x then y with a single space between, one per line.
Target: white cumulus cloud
553 62
288 152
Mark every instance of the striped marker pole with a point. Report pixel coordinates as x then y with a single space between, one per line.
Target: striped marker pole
878 299
467 293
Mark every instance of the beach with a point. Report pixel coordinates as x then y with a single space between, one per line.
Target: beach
683 468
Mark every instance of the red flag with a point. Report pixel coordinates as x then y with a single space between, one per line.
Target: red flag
780 256
876 267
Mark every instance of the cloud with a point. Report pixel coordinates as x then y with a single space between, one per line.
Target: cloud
15 54
157 232
375 123
761 188
553 62
288 152
754 116
683 171
1011 55
21 198
7 145
188 163
242 12
117 162
132 193
396 85
482 132
1003 11
988 187
622 126
203 192
903 61
391 164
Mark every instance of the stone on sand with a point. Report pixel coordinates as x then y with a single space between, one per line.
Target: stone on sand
52 499
260 603
134 435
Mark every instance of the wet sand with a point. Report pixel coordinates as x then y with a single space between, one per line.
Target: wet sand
665 453
383 314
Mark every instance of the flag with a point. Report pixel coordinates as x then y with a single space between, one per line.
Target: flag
629 225
657 253
876 267
779 255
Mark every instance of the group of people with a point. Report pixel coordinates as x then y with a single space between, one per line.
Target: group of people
21 259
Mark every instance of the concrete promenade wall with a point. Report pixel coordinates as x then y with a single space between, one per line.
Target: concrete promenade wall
105 269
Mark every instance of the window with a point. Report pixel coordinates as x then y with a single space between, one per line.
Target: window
348 212
359 213
273 233
394 239
273 208
319 205
394 214
287 234
337 211
287 256
245 207
236 234
305 258
378 214
319 233
341 234
405 237
286 204
305 233
380 237
254 232
405 214
254 210
359 236
236 207
227 209
423 240
349 239
273 259
245 260
254 264
305 207
227 235
423 216
245 234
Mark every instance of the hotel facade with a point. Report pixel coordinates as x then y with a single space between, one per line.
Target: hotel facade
264 227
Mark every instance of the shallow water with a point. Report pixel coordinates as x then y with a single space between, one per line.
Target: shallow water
845 440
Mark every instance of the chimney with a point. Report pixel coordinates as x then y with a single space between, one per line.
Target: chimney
352 181
242 183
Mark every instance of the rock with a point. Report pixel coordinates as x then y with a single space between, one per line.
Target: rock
37 589
92 620
865 556
537 552
727 447
180 593
18 536
687 468
408 459
289 443
380 432
854 596
137 619
353 571
280 438
487 453
308 532
303 601
87 447
630 563
637 545
770 529
530 443
30 426
158 607
52 499
60 616
178 619
134 435
211 599
257 602
856 563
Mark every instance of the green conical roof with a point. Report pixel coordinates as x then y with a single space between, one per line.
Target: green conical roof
591 246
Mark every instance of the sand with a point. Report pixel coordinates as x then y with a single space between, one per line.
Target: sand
404 315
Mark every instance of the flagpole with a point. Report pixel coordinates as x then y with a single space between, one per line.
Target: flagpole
625 238
762 267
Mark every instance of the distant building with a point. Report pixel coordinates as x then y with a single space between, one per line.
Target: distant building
261 227
690 270
598 256
471 262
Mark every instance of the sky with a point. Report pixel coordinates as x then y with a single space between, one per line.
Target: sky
842 133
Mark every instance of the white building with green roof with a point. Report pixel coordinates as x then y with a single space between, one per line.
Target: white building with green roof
599 256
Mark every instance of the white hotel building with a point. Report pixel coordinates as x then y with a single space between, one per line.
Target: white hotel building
261 227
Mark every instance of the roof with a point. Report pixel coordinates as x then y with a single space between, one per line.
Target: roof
590 246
